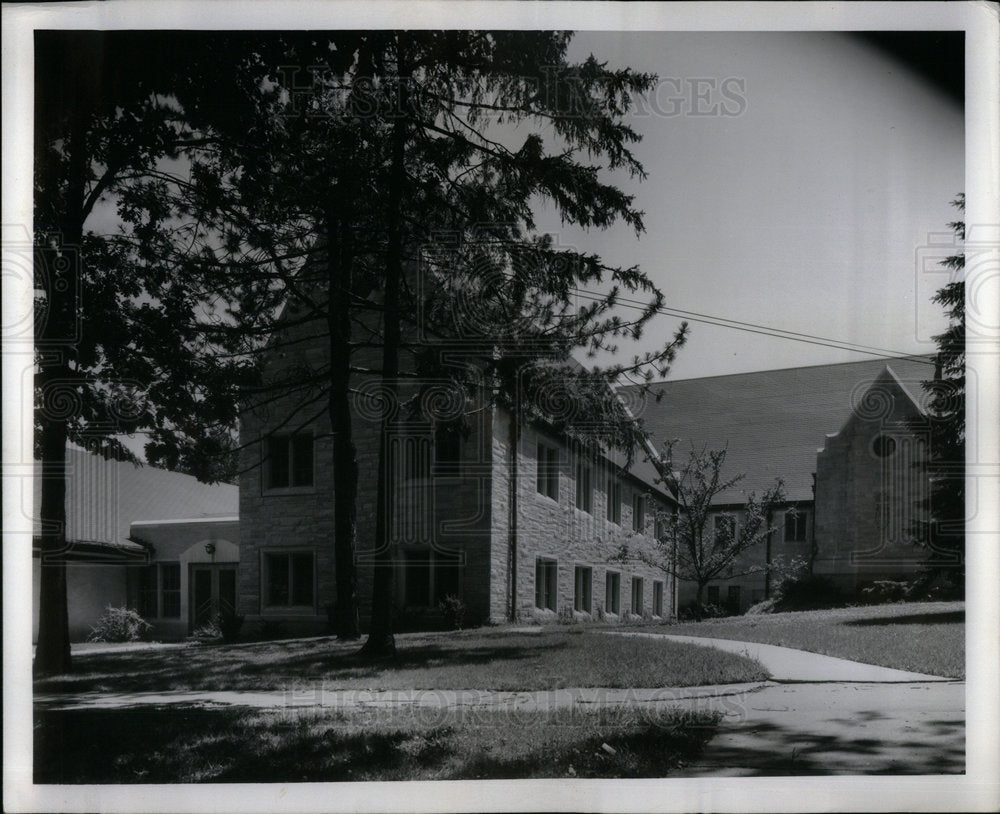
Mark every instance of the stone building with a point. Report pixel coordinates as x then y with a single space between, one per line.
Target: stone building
846 441
511 534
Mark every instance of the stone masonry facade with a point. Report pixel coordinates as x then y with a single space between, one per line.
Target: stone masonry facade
870 483
451 531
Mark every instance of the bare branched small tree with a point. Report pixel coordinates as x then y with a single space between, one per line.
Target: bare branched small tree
689 544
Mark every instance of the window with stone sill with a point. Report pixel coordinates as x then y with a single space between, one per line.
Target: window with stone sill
288 461
583 578
612 592
288 579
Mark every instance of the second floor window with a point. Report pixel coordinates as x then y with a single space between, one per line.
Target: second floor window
447 450
725 529
547 475
638 512
289 460
795 526
614 509
584 489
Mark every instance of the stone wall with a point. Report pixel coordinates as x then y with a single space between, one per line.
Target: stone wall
869 484
557 530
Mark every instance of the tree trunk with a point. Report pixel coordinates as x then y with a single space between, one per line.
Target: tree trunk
512 518
52 656
381 643
345 461
55 380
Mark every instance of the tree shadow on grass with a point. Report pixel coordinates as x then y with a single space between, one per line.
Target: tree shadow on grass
227 745
161 746
240 667
764 748
944 617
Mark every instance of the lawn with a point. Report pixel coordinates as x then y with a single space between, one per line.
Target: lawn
268 746
494 659
925 637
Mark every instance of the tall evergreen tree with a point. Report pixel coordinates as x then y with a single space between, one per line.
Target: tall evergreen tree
116 351
379 196
945 508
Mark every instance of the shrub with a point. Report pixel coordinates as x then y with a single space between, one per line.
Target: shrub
119 625
454 610
807 592
695 612
764 606
883 591
208 630
229 623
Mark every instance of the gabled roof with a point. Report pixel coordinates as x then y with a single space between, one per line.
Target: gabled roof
773 422
104 497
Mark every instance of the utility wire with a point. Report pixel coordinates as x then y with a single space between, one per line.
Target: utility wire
751 327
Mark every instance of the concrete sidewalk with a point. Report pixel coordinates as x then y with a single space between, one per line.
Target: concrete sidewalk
319 696
786 664
819 716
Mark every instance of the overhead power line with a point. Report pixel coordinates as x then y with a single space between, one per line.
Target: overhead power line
755 328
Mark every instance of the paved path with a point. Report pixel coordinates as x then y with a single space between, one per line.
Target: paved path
319 696
819 716
787 664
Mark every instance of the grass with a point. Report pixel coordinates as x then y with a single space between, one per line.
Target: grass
240 745
924 637
494 659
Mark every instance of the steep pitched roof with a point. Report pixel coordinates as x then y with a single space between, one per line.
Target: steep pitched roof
104 497
773 422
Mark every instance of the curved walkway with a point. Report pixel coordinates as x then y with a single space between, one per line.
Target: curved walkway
818 716
786 664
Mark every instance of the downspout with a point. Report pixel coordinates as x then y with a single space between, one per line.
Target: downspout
767 556
812 529
512 519
675 577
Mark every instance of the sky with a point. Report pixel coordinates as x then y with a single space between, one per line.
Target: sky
813 196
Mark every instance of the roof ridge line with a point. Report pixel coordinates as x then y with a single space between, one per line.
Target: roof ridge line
912 358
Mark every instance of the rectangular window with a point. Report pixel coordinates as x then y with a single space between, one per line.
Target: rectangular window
638 512
289 579
170 590
545 583
149 591
733 599
795 526
160 591
713 594
612 592
289 460
447 449
657 598
584 488
725 529
547 473
637 595
416 454
614 509
582 588
429 577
